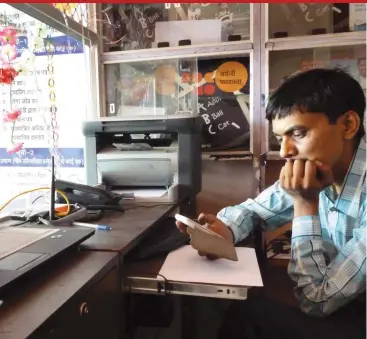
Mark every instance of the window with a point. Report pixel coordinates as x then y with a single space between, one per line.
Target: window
51 95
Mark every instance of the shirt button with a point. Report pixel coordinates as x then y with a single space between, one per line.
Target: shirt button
332 209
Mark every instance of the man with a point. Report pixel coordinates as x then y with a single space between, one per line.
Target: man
317 117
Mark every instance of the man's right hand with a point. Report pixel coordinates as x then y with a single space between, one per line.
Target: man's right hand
212 223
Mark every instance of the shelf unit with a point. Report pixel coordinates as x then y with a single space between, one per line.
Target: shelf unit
259 48
221 50
317 42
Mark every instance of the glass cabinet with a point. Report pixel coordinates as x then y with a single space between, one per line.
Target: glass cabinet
300 37
144 26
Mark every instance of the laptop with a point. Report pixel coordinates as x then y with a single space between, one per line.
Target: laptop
25 248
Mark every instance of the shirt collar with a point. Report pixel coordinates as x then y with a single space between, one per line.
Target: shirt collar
349 199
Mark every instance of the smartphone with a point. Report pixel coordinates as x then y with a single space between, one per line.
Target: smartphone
193 224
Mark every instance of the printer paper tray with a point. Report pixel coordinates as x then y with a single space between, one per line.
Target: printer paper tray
154 195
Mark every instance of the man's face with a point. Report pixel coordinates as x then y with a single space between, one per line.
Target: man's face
309 136
362 67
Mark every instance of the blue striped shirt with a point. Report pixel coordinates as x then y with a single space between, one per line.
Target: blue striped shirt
328 251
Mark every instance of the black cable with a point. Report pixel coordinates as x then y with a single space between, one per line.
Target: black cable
277 245
167 292
20 223
147 206
35 200
52 202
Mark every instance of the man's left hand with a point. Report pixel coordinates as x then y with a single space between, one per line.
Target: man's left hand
303 180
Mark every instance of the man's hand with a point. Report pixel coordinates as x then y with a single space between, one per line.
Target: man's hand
212 223
303 181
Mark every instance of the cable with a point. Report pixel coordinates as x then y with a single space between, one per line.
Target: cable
63 195
147 206
131 305
279 245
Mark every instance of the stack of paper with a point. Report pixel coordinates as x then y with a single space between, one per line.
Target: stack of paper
185 265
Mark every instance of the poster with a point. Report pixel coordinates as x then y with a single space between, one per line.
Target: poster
43 122
223 102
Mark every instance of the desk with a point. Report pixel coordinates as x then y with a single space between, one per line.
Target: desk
52 306
70 300
128 228
141 277
79 295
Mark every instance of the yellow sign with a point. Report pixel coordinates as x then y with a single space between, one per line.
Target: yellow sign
231 76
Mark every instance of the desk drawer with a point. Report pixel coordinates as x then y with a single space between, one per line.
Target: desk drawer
141 284
141 277
94 314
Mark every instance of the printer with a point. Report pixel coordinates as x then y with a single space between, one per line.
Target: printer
156 160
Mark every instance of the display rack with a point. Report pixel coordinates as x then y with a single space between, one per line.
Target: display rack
261 47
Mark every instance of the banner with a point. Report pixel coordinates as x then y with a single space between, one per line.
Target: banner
52 94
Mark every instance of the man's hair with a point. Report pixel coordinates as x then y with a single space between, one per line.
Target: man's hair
329 91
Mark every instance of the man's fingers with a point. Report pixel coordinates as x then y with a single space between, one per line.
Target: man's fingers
288 167
298 173
288 173
310 174
182 227
282 177
206 218
208 256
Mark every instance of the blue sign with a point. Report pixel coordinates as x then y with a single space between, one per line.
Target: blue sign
58 45
41 157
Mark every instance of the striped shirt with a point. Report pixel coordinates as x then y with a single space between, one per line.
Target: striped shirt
328 251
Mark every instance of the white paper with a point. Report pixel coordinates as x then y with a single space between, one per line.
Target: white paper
13 239
144 193
195 30
185 265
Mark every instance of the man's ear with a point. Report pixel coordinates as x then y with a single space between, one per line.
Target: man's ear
351 123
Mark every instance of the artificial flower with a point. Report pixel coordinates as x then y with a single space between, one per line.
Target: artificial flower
27 57
41 31
12 115
38 42
14 148
7 75
6 65
22 68
8 35
8 53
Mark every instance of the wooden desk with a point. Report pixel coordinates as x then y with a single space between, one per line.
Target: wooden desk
74 297
141 277
128 228
79 295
